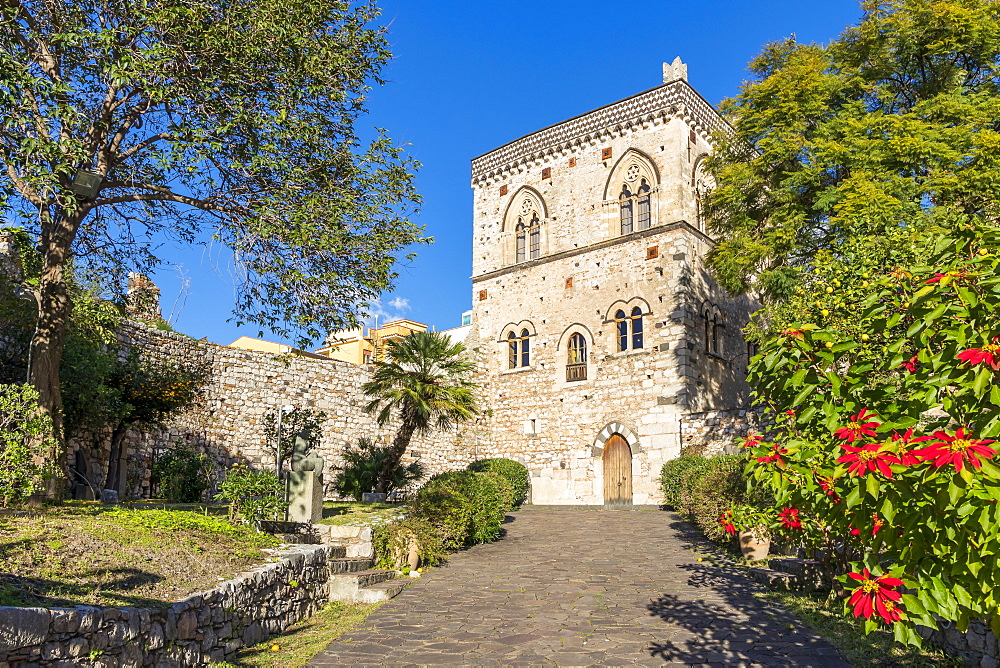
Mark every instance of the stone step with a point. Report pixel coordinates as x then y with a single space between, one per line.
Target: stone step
773 579
341 565
803 567
365 586
382 591
807 580
336 551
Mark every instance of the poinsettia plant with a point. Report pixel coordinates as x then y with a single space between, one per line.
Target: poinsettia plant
746 517
885 397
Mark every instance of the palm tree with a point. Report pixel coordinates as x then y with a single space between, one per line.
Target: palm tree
422 384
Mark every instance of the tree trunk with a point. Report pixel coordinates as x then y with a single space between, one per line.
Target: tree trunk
396 452
54 308
114 459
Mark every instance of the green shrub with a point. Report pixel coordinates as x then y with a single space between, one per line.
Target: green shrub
25 435
253 495
467 507
362 464
391 542
672 476
181 474
515 473
715 487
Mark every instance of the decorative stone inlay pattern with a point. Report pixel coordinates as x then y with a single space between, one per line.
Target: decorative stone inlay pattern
676 98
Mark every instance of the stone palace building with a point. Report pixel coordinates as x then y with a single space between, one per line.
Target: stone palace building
599 328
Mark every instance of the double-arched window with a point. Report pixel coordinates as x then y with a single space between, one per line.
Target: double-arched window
529 238
629 329
519 349
713 330
576 358
634 208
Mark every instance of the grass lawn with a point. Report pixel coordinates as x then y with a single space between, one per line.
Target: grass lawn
88 554
826 617
352 512
306 639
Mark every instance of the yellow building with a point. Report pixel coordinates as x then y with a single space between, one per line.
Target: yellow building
262 346
356 347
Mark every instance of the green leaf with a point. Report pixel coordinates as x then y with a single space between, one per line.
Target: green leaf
872 485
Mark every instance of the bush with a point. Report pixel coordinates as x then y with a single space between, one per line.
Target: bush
182 474
672 476
253 495
715 487
468 507
359 472
25 435
392 543
515 473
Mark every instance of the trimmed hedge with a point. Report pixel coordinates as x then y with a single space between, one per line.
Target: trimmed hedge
714 487
515 472
672 477
466 506
392 543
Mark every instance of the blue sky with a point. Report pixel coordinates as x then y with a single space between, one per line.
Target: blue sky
470 76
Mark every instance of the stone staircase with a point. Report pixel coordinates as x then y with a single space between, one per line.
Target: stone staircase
790 574
352 579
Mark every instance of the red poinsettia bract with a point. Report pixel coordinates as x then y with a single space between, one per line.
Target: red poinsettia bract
899 446
989 353
956 449
858 427
726 522
911 364
775 457
752 440
876 595
790 518
868 458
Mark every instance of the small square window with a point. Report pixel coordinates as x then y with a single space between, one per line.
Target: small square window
606 153
482 295
572 162
652 252
503 190
569 282
546 172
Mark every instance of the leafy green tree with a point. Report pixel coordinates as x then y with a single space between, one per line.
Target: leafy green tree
24 437
422 384
124 124
362 465
306 421
890 127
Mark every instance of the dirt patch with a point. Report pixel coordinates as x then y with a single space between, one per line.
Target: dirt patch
77 555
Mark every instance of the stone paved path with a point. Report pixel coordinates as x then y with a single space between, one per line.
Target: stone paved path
583 588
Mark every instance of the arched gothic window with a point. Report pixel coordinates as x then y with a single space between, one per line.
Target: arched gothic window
643 205
629 329
625 203
535 237
713 331
519 349
576 358
520 240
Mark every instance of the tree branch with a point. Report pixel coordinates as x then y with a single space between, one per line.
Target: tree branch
162 194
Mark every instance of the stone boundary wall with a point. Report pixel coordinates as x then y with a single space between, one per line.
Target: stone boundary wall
716 431
243 386
977 647
206 627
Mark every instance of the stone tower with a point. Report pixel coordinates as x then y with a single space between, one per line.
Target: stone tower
599 328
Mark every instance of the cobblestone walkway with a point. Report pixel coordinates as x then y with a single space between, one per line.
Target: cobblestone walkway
583 588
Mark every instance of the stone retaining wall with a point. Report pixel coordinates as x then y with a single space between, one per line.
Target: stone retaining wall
716 432
243 386
205 627
976 647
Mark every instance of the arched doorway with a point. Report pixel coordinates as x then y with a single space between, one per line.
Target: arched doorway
617 472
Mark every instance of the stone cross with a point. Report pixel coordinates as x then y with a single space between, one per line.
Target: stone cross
305 483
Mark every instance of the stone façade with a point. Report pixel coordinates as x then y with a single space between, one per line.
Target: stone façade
566 181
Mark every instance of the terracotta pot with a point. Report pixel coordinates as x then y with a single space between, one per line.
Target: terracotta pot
752 548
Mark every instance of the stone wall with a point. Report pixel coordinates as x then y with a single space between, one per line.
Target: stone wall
718 432
244 385
203 628
977 647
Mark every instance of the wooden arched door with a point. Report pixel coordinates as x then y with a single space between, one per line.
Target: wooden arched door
617 472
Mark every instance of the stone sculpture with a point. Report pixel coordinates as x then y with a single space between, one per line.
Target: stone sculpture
305 483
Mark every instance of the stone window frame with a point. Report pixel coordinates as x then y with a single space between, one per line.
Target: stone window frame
715 325
523 230
702 183
517 346
563 356
622 193
629 308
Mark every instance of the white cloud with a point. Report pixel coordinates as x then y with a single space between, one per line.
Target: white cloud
400 304
379 313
